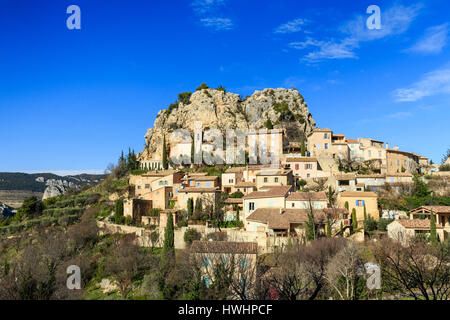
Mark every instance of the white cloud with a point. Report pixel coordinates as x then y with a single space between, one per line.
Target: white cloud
218 24
394 21
207 10
291 26
434 39
432 83
205 6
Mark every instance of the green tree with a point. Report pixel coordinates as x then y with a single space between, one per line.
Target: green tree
198 205
31 207
191 235
164 155
354 220
420 188
310 225
202 86
301 183
269 124
190 207
185 97
433 234
220 88
303 147
237 213
328 228
330 196
118 214
167 262
365 218
346 205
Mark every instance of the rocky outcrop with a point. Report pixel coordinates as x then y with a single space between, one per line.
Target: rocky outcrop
57 187
6 211
283 108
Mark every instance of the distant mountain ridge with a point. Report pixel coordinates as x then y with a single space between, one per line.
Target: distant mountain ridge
16 186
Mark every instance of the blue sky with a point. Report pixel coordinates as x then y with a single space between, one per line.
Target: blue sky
73 99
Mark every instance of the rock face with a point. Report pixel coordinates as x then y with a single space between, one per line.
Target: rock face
285 108
6 211
56 187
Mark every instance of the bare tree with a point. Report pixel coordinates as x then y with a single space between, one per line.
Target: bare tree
418 269
345 271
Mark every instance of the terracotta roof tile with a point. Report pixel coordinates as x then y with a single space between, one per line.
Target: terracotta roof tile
273 191
277 218
363 194
301 196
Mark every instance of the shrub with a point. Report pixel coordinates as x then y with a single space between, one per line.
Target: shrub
237 194
202 86
444 167
191 235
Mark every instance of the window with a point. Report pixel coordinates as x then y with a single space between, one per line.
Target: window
398 163
147 186
318 146
266 180
308 175
198 184
275 179
296 166
176 191
251 206
230 181
360 203
169 194
208 184
308 166
293 205
325 146
325 135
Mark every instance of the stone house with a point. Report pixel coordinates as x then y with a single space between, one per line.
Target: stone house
304 200
357 200
274 177
304 167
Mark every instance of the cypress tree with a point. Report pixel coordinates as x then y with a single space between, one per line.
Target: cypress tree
198 205
310 226
164 154
168 252
237 213
365 218
328 228
346 205
354 221
118 215
330 196
303 147
190 209
433 235
192 151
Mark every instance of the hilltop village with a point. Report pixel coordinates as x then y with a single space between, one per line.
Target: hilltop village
324 183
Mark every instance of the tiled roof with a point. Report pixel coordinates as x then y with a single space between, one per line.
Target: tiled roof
245 184
273 172
234 201
277 218
377 176
202 178
159 173
299 196
399 174
275 191
224 247
416 223
435 209
351 141
195 189
235 170
362 194
301 160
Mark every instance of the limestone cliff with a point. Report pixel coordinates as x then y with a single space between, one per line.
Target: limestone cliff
285 108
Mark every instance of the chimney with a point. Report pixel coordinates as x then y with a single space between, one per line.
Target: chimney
387 145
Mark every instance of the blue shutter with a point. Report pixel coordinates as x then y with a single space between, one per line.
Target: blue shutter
364 202
357 204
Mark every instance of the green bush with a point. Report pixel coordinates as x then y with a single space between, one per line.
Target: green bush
191 235
444 167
